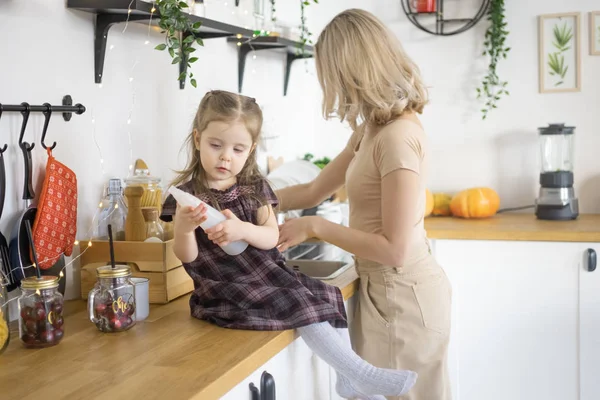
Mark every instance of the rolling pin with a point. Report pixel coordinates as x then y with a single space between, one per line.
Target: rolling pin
135 224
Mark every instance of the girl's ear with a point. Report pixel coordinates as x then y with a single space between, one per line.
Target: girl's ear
196 135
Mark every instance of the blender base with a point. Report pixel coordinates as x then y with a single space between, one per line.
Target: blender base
558 212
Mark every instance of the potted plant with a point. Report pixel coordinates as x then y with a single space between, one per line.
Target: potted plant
492 87
181 35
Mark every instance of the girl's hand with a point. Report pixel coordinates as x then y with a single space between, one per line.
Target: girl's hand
296 231
187 219
228 231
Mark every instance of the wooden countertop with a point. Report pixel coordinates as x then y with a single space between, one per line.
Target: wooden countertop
515 226
171 355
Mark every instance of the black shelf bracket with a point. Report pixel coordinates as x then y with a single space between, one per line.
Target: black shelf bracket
102 25
105 21
292 54
243 51
291 57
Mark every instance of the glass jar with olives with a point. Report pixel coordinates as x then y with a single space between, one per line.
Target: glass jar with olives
40 312
111 303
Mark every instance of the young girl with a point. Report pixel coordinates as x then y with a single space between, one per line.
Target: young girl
256 290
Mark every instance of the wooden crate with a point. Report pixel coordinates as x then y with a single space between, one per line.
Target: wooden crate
163 287
148 257
155 261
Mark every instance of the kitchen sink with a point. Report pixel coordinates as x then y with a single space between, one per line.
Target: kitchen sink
320 269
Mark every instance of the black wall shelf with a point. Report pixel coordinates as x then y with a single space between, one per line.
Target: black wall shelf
292 50
111 12
440 21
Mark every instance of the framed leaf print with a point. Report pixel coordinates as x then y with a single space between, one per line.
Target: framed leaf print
559 52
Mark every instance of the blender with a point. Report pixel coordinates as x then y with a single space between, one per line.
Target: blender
556 199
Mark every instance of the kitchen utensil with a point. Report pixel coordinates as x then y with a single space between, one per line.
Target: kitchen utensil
556 199
19 248
213 218
55 225
142 299
135 225
6 274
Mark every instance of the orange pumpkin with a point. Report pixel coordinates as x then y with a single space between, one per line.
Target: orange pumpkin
428 202
441 204
480 202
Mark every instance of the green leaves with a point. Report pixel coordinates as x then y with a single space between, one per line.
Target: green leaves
492 88
181 35
562 37
305 34
556 60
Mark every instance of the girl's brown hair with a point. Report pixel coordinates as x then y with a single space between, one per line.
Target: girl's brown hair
223 106
364 72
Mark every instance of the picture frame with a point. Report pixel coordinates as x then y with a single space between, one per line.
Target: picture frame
595 33
559 42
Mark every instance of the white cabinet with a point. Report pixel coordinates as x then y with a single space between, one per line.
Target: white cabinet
589 324
298 373
526 317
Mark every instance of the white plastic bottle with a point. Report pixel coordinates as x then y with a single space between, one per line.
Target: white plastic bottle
214 217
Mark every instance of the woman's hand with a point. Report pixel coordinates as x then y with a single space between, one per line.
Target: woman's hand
231 230
187 219
296 231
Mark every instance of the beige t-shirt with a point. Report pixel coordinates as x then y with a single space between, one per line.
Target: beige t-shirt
402 144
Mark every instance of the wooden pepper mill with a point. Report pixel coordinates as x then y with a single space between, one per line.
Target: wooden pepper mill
135 224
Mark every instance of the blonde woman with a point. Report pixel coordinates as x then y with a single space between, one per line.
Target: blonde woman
403 317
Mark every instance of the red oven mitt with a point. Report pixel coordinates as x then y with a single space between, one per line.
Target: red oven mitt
55 224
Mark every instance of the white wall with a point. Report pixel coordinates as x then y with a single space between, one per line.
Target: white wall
46 52
502 151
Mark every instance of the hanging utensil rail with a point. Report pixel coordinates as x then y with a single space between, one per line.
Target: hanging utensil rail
67 108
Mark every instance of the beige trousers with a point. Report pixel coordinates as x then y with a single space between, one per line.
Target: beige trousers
402 321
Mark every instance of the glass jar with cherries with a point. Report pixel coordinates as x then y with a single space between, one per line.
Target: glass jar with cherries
111 303
40 312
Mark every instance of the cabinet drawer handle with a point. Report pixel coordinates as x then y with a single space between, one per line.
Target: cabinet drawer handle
255 394
267 387
591 260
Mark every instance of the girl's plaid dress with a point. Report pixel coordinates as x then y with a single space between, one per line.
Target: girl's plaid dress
254 290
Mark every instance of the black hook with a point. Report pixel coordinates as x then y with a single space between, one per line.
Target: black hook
3 149
47 113
25 114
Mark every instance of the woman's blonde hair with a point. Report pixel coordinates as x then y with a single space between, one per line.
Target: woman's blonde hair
223 106
364 72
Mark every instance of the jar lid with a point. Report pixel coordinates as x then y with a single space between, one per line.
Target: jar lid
45 282
557 129
141 176
108 271
150 214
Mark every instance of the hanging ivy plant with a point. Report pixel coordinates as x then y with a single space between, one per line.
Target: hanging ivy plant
305 34
492 87
180 35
